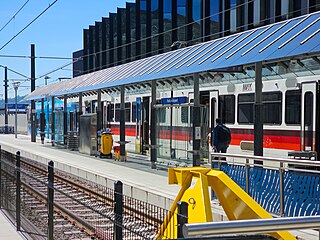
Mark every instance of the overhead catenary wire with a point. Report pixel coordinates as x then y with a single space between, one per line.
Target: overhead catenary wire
157 50
14 16
28 25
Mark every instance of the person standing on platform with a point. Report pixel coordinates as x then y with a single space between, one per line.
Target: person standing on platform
221 137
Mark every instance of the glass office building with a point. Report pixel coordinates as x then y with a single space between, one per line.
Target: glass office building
150 27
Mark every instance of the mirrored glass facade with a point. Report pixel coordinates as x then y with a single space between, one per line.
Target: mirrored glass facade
150 27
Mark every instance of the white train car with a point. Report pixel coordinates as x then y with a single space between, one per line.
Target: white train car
291 117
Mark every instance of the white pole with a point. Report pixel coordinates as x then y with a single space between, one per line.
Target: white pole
16 117
16 86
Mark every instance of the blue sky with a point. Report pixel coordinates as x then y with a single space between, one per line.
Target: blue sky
58 32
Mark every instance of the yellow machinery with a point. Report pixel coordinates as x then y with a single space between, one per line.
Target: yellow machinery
106 144
195 182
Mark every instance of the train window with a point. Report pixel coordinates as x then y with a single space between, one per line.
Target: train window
134 111
161 115
127 111
184 114
117 112
293 107
245 108
272 105
110 113
227 108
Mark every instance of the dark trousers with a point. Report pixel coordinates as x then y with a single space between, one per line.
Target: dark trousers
221 149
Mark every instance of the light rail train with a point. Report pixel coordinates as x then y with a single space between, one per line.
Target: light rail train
291 117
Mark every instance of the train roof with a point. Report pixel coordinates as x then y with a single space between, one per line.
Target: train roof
290 38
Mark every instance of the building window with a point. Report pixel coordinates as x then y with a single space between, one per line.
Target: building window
215 19
293 107
182 19
196 15
143 25
167 25
155 26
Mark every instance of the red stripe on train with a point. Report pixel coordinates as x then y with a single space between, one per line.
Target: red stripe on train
277 139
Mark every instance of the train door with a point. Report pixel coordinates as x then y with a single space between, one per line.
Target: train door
308 116
145 124
213 110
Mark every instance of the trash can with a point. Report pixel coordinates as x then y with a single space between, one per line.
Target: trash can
116 150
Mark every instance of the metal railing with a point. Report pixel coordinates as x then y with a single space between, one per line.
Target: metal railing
275 187
254 226
113 215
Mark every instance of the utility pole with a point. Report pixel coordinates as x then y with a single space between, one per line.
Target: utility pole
33 87
5 100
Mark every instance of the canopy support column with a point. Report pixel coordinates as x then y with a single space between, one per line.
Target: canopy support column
153 156
122 126
258 113
196 133
80 112
99 112
42 121
33 87
52 122
65 120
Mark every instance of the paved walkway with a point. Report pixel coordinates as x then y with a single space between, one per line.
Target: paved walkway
135 172
7 229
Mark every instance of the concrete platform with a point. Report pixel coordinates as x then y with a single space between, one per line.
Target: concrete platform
7 229
139 180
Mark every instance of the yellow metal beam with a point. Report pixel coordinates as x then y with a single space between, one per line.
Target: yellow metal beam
194 183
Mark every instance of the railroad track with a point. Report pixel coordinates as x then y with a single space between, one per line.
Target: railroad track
82 209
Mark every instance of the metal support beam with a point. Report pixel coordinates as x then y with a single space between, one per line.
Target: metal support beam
99 111
122 125
18 191
42 121
258 113
65 120
52 122
153 155
196 136
182 217
33 87
1 179
5 100
80 112
50 200
118 210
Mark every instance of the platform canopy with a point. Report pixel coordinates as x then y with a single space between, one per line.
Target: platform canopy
292 38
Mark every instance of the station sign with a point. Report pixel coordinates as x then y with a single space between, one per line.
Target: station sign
174 100
20 107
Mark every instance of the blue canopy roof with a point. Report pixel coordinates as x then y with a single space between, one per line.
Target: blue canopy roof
285 39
